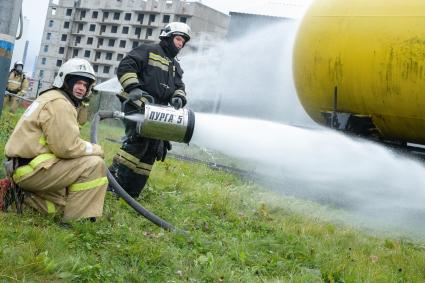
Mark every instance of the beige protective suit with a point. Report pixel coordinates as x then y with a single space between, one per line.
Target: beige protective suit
63 172
17 84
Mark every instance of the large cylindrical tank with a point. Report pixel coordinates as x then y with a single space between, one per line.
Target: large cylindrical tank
374 53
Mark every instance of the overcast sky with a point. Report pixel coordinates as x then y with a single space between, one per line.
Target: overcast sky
35 11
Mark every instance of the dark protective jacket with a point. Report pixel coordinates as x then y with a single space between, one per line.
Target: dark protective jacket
149 68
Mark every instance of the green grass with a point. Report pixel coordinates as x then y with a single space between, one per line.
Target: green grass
235 234
7 124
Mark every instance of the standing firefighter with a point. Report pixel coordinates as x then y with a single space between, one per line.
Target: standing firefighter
62 172
150 73
16 84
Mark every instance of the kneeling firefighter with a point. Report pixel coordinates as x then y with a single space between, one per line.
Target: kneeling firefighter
62 172
150 73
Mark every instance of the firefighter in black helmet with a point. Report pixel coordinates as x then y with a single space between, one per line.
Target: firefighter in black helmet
150 73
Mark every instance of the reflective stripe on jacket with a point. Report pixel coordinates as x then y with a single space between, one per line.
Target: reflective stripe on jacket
17 83
148 68
32 167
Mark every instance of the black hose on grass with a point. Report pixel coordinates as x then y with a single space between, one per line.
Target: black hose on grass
117 187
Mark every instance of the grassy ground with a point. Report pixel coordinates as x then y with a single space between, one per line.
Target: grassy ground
235 234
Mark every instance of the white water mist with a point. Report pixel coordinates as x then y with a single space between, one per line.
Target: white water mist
364 178
250 77
135 117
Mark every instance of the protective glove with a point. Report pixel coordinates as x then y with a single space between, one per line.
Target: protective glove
138 94
177 102
97 150
161 152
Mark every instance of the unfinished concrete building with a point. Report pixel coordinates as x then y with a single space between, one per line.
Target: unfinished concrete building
104 31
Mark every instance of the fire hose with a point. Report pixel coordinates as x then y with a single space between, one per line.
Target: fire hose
158 122
17 96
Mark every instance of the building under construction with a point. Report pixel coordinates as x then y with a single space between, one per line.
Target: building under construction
104 31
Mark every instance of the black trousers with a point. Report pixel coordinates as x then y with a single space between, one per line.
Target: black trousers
132 165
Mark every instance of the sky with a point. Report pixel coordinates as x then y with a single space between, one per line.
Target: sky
35 11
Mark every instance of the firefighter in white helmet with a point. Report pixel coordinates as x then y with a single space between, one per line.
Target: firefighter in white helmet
150 73
62 172
17 84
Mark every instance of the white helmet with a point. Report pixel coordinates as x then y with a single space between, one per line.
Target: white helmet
18 63
75 67
18 67
176 28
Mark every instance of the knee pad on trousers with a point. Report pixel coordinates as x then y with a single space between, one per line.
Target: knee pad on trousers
130 181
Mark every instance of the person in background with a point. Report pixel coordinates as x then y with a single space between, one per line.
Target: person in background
16 84
150 73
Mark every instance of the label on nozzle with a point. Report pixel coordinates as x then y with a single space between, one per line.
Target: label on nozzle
165 117
165 123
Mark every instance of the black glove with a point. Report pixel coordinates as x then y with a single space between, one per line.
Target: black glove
163 147
177 102
138 94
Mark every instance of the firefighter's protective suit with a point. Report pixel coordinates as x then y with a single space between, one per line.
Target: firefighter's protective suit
153 71
63 172
17 84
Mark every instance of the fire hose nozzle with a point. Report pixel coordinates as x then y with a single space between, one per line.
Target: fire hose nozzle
118 115
166 123
103 114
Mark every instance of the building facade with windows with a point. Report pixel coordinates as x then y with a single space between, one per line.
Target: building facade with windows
104 31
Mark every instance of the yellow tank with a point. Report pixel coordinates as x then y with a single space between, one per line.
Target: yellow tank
373 51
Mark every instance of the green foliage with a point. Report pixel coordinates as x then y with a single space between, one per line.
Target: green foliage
7 124
237 232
